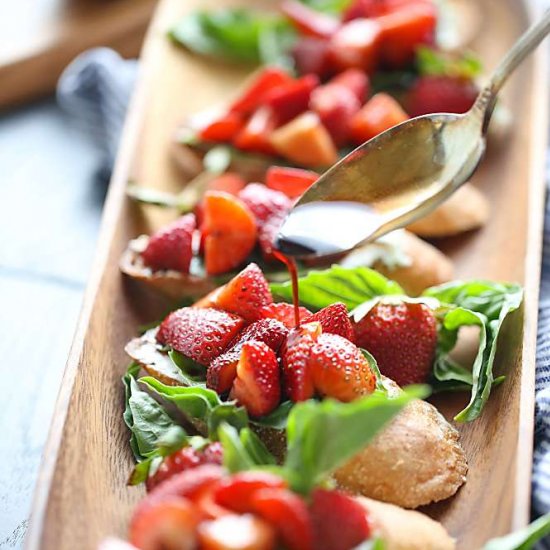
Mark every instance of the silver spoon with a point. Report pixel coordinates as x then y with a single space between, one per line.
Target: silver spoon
400 175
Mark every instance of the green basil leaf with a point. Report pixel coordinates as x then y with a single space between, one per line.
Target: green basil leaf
328 6
352 286
323 435
276 419
433 62
524 539
372 544
192 373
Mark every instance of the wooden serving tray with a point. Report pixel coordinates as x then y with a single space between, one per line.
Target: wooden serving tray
82 495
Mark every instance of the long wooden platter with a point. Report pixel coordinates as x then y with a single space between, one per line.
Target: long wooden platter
82 496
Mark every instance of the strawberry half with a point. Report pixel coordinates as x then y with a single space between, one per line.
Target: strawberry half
267 233
264 202
257 386
339 521
402 338
200 334
334 319
171 247
284 313
223 370
298 381
339 369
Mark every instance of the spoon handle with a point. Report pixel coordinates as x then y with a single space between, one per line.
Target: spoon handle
528 41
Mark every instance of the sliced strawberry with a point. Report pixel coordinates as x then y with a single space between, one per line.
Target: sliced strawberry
339 369
237 492
255 135
223 128
185 459
311 56
297 377
229 232
402 338
288 514
266 236
334 319
356 45
356 81
291 99
379 114
293 182
200 334
335 104
339 521
230 182
306 141
284 313
223 370
359 9
404 29
171 247
233 532
441 94
170 523
253 95
264 202
257 386
308 21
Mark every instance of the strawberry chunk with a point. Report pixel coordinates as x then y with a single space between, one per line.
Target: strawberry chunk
267 233
264 202
237 492
223 128
233 532
284 313
308 21
223 370
253 95
185 459
380 113
230 182
254 137
170 523
229 231
356 81
334 319
356 45
340 522
257 386
291 99
441 94
297 376
200 334
293 182
339 369
171 247
306 141
402 338
288 514
311 56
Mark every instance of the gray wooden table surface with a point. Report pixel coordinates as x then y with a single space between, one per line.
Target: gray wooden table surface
50 208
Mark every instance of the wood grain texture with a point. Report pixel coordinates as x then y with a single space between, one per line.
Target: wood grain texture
82 495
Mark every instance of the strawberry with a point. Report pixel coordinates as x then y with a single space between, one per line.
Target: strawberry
441 94
236 493
298 381
255 134
267 233
287 513
293 182
185 459
170 523
309 22
230 182
334 319
284 313
311 56
339 521
257 386
264 202
339 369
229 231
223 370
356 81
200 334
245 294
233 532
402 338
171 247
223 128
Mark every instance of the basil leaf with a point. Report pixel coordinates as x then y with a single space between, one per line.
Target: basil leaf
323 435
353 286
433 62
192 373
147 420
372 544
276 419
524 539
328 6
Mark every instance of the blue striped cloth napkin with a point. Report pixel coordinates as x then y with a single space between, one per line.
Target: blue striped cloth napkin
95 90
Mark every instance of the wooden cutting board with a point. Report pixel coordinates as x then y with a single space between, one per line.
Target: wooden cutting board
38 38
